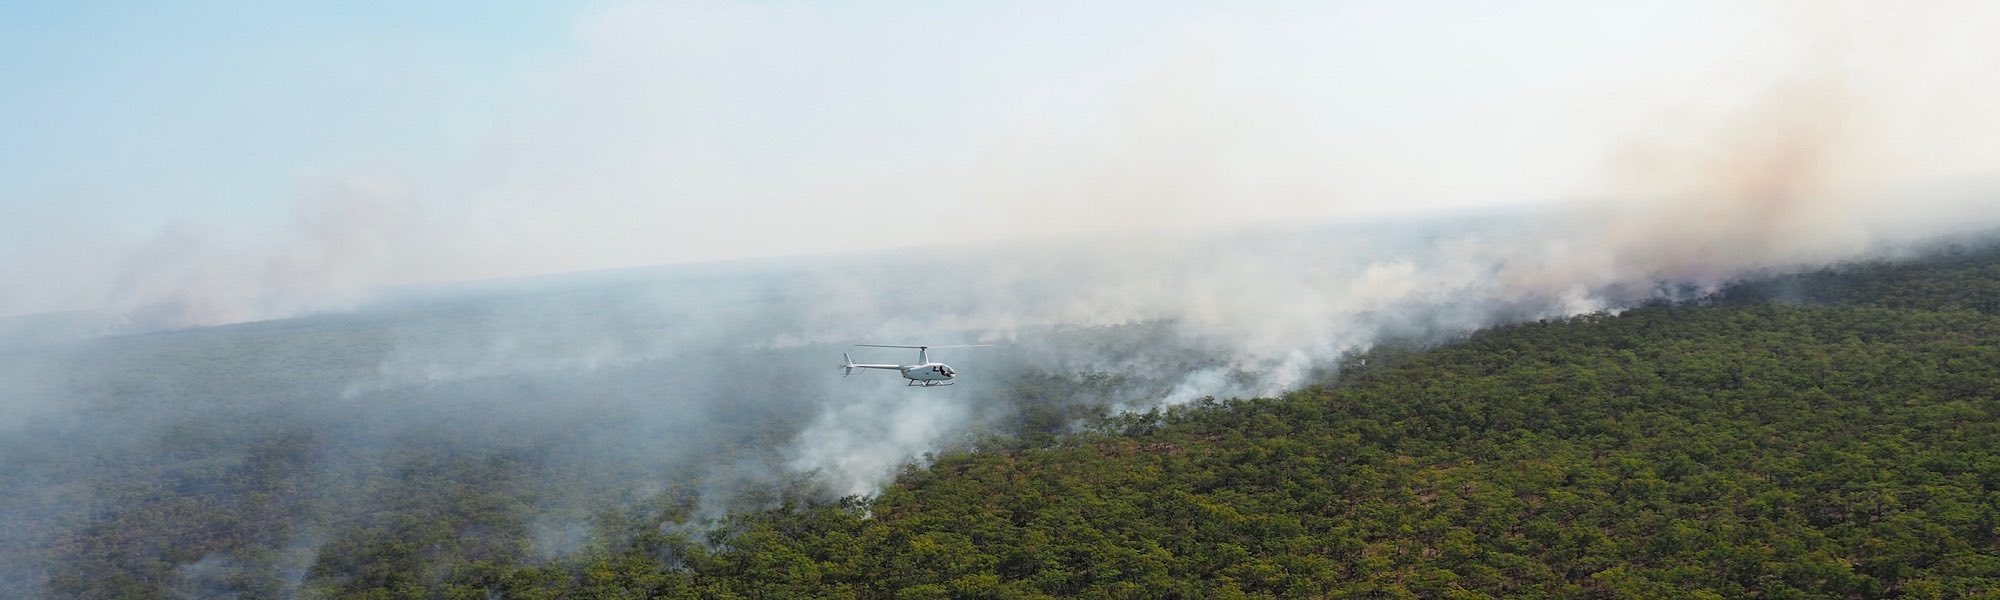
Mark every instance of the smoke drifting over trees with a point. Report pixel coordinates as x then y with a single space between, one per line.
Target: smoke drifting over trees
671 134
1194 228
688 392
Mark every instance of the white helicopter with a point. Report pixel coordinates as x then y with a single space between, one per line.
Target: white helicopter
925 373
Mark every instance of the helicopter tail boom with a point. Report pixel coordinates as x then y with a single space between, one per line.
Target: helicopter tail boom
848 365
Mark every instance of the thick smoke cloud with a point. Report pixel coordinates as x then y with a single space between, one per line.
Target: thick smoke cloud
1199 237
674 133
348 237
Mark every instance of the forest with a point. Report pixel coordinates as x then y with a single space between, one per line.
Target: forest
1830 434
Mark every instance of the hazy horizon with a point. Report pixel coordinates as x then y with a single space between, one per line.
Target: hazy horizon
259 162
592 262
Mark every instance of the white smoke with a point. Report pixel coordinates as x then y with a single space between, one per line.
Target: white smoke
1230 200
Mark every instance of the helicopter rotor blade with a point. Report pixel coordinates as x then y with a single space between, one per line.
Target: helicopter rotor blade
922 347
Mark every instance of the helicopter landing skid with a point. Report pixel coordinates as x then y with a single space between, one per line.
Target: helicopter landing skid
915 383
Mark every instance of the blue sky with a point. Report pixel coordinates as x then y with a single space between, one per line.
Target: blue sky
181 147
213 109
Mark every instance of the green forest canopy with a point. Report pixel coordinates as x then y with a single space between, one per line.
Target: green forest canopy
1831 434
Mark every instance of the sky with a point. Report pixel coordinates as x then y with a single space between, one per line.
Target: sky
256 153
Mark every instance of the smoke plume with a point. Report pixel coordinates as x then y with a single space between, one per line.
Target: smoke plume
1179 220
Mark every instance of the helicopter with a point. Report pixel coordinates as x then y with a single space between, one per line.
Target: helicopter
923 374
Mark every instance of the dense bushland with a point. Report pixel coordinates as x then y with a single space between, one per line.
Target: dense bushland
1832 434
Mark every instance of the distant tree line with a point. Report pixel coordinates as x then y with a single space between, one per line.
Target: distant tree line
1831 434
